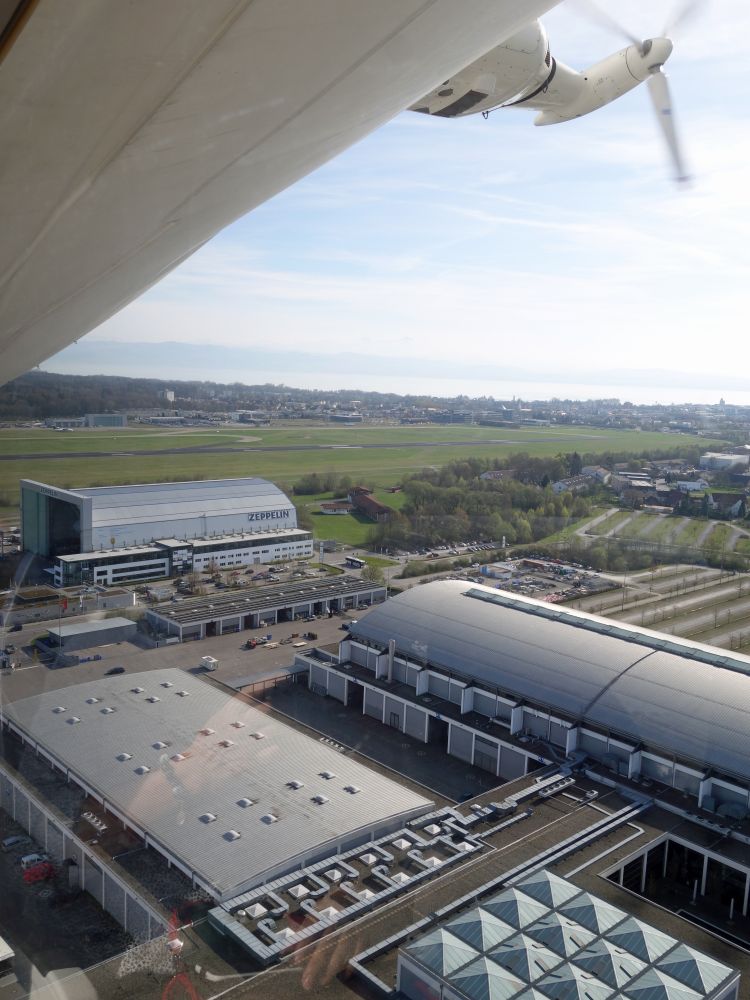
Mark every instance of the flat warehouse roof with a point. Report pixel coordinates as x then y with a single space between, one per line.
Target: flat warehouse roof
208 777
89 628
252 600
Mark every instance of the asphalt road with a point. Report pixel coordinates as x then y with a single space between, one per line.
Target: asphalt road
234 663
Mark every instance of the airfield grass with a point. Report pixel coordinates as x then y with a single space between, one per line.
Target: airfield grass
552 439
314 448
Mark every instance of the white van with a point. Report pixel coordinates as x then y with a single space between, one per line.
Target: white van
29 860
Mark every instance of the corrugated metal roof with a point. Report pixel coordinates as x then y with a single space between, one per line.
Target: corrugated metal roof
683 699
195 775
150 502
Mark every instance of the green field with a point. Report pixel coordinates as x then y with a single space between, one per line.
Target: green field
351 529
375 456
614 520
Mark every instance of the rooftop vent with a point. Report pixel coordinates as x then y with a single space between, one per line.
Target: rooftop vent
160 745
226 743
328 775
238 725
108 711
124 756
153 699
245 803
207 731
320 799
142 769
137 690
269 818
352 789
232 835
92 701
207 818
258 736
295 784
72 720
167 684
59 710
182 694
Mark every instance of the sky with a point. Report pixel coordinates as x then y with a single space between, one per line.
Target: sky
488 257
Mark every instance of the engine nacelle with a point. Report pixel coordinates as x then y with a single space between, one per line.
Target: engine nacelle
572 95
519 65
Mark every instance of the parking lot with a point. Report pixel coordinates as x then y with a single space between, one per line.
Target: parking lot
51 928
234 662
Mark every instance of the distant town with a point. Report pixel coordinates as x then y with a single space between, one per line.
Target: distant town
109 401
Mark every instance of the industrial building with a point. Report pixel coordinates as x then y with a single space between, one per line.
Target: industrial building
506 682
120 534
85 635
251 607
225 793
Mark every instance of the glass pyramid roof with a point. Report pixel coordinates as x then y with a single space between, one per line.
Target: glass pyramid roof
525 957
656 985
442 952
549 889
485 980
570 983
641 940
694 969
593 913
516 908
609 963
481 929
563 936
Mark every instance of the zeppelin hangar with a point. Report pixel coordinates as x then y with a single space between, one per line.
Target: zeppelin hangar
125 534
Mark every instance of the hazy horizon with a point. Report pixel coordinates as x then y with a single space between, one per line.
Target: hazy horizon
370 373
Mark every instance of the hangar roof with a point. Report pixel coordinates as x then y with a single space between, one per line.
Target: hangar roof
192 767
147 502
685 698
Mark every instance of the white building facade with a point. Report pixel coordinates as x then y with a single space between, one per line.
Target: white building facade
118 534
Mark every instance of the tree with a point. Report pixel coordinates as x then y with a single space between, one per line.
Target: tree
373 574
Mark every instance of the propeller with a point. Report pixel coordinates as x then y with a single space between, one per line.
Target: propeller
661 98
658 84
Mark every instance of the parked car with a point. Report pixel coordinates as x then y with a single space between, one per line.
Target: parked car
15 628
16 842
29 860
115 670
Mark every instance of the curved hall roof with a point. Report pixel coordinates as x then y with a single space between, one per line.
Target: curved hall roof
688 699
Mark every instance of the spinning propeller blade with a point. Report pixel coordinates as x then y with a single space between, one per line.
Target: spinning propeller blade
658 86
661 98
